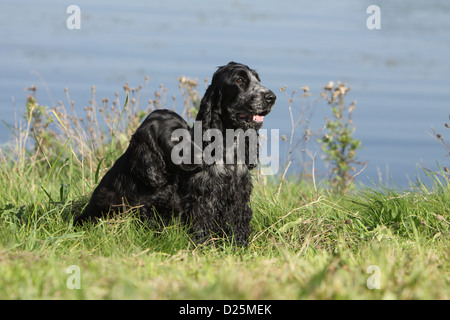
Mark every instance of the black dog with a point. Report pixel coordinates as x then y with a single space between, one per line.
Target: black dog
217 198
144 176
212 196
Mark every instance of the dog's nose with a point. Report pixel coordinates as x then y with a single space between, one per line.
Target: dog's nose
270 97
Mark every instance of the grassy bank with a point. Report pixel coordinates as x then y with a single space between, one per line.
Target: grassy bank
308 243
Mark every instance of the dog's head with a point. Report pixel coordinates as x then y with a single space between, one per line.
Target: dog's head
235 99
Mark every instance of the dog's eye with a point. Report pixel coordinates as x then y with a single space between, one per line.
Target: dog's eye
240 81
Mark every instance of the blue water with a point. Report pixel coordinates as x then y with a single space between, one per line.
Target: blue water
399 75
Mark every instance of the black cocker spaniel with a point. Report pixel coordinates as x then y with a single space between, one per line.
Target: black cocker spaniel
212 191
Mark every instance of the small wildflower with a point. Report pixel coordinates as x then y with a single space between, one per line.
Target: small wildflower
329 86
343 90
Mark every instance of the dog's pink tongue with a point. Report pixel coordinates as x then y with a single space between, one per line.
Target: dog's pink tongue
258 118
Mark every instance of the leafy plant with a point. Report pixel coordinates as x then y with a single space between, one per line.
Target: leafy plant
338 141
38 121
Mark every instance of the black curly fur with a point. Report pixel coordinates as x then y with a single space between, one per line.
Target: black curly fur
217 198
144 176
213 198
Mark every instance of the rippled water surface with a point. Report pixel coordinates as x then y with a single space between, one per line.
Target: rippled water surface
399 75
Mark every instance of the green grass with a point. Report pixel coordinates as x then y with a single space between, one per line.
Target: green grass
307 243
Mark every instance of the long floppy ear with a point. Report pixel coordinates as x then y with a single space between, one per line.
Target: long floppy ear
251 163
210 110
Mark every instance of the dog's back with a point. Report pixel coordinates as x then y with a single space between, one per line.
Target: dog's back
144 176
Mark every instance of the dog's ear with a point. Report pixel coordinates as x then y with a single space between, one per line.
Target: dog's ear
210 110
251 163
146 161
